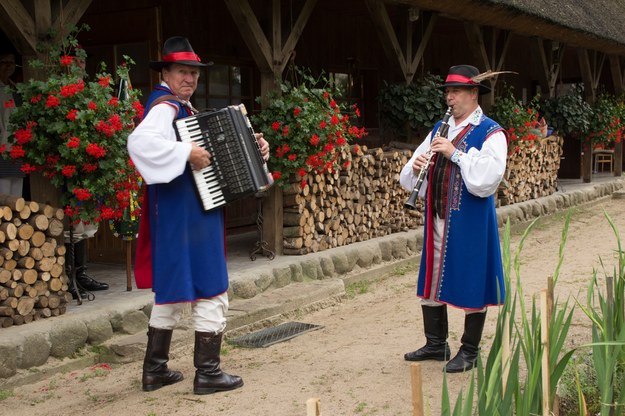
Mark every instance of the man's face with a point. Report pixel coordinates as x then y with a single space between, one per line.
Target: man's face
7 67
462 99
182 79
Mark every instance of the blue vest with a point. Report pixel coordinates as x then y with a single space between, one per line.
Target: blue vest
187 243
471 273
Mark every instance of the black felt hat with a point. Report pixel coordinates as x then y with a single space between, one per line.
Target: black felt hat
177 50
465 76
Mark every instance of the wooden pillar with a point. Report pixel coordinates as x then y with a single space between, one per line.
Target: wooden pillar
618 77
272 203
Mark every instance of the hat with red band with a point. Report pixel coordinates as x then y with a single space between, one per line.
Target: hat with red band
461 76
177 50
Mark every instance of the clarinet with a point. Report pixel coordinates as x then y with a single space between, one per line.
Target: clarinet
442 131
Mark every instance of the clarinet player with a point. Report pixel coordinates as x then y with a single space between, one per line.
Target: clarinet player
181 248
461 262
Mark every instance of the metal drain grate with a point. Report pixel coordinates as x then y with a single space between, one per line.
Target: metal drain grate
269 336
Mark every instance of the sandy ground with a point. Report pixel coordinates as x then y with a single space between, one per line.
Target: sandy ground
354 364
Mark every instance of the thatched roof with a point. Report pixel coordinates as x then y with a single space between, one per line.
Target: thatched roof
591 24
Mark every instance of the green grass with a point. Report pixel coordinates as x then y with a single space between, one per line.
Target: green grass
357 288
5 394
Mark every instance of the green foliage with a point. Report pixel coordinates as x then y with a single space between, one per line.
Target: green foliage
418 105
5 394
569 114
308 127
73 131
501 388
606 310
605 124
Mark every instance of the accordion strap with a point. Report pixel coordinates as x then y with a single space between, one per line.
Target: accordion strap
170 97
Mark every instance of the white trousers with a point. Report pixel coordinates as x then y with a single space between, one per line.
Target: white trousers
439 229
208 315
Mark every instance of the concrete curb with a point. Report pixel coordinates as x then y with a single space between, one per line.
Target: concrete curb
262 296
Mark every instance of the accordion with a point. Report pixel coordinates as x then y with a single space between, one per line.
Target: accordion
237 167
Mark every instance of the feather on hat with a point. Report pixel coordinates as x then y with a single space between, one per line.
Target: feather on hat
469 76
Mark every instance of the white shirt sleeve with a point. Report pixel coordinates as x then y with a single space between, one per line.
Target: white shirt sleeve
482 170
153 147
407 176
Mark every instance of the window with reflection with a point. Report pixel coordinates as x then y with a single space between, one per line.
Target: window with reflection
223 85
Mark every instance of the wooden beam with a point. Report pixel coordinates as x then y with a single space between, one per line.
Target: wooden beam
386 33
43 16
618 75
69 16
19 26
424 42
549 68
296 33
492 62
587 75
252 33
476 43
618 79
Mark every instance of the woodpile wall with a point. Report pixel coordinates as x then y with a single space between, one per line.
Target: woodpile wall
33 283
358 203
365 200
531 171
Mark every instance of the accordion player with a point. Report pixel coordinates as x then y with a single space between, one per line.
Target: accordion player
238 168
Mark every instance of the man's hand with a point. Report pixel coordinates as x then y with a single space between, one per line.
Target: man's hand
199 157
263 144
443 146
420 162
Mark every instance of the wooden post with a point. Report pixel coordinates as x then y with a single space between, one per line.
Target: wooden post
313 407
128 265
505 356
417 389
544 335
586 160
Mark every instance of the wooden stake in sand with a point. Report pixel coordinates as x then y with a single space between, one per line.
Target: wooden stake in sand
417 389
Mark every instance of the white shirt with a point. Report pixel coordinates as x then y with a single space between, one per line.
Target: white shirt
153 147
481 170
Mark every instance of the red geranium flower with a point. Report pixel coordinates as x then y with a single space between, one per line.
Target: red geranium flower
66 60
82 194
52 101
16 152
73 143
68 170
94 150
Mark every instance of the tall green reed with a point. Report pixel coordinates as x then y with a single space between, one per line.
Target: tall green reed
502 387
606 310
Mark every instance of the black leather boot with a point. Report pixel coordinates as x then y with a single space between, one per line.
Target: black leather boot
208 377
466 358
85 281
74 289
435 328
155 371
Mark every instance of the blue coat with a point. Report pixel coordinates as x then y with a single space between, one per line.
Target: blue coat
471 273
181 247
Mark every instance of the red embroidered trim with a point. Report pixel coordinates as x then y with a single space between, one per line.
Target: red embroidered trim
459 78
181 56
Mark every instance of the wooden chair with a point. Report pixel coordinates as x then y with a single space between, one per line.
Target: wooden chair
602 158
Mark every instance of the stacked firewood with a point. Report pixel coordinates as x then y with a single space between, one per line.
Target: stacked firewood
531 171
33 283
362 201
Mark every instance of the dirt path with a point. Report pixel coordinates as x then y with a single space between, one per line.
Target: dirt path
354 364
